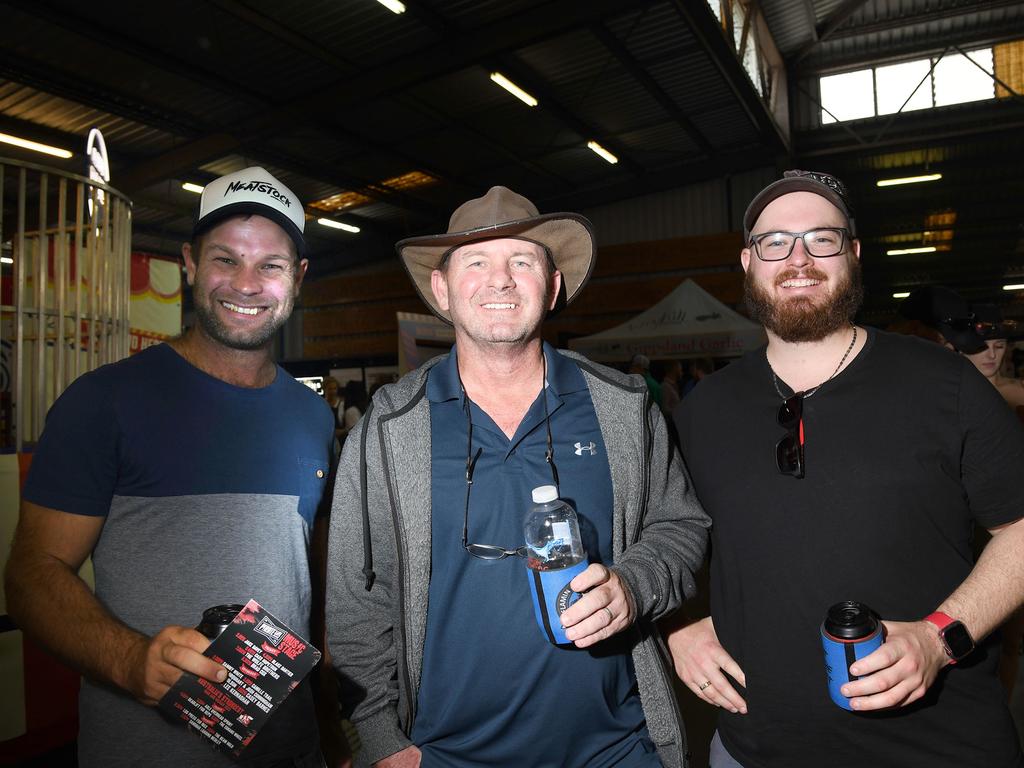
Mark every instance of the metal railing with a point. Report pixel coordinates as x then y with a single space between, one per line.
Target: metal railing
66 283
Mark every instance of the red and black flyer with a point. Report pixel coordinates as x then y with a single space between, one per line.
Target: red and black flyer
265 661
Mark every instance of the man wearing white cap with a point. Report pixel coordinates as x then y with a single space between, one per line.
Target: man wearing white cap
191 473
430 615
841 463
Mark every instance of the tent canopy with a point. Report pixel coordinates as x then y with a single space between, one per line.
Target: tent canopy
689 322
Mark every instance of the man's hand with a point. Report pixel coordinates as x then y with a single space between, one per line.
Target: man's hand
605 609
154 664
407 758
700 659
901 670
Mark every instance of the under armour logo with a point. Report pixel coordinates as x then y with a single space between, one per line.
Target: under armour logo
589 448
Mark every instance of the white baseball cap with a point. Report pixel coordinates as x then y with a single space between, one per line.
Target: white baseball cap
252 190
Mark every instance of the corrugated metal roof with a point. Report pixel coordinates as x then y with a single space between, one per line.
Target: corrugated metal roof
470 14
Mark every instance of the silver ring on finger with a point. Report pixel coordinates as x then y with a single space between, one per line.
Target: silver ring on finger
705 684
611 616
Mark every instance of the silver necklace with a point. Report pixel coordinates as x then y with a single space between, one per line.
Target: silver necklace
812 390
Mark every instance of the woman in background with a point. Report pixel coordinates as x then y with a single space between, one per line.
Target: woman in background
995 331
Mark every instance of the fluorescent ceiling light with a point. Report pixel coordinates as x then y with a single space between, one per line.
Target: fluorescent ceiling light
6 260
393 5
604 153
906 251
1018 287
337 225
514 89
901 295
35 146
188 186
908 180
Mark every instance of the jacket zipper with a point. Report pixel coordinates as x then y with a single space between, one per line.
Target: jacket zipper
410 712
645 489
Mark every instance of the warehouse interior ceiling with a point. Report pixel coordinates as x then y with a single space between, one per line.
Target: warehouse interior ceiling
386 122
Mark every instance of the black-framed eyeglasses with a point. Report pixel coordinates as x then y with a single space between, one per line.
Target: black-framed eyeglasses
493 551
789 451
820 243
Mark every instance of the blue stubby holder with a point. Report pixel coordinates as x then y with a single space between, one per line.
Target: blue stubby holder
551 596
850 631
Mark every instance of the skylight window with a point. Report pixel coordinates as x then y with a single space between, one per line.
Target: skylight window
957 80
848 96
895 85
920 84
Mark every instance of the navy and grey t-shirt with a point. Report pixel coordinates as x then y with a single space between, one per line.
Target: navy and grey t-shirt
209 492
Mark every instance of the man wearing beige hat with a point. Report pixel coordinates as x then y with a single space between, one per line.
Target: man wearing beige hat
430 615
191 473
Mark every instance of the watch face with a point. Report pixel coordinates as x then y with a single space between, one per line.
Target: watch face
958 640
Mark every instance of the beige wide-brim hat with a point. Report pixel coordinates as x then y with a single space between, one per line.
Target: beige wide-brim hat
568 237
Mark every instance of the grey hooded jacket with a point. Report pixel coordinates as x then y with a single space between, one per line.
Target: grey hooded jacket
378 568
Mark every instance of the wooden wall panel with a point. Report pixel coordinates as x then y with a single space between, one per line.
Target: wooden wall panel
389 283
372 318
668 255
351 347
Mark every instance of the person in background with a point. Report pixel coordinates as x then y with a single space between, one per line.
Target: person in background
355 406
191 473
334 398
670 387
430 614
641 365
996 333
700 368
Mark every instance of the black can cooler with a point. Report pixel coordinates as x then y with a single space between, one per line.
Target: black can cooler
216 619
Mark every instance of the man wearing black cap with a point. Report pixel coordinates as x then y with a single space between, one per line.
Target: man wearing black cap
430 615
856 463
191 473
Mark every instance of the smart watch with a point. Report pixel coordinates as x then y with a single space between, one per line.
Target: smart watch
955 637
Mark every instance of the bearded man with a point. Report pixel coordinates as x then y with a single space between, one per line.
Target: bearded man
842 463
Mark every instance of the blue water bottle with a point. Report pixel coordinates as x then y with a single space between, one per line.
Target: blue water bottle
850 631
554 556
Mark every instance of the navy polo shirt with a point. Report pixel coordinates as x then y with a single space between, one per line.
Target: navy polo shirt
493 691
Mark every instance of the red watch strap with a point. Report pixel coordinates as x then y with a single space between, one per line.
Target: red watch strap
940 619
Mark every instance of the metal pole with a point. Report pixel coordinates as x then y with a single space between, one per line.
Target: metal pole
40 274
19 322
93 286
60 257
76 335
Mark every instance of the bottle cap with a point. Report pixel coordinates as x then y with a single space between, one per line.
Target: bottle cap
544 493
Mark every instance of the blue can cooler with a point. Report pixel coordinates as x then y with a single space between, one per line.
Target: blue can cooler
850 631
551 596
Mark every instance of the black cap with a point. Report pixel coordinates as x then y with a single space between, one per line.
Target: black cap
829 187
946 311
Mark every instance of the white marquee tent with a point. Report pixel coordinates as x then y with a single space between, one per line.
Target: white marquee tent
689 322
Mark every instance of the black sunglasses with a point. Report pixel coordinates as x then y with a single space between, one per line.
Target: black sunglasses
789 451
493 551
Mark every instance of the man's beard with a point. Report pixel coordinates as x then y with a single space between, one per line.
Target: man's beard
800 319
256 338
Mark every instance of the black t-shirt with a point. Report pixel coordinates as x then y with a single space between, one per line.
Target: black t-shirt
904 450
